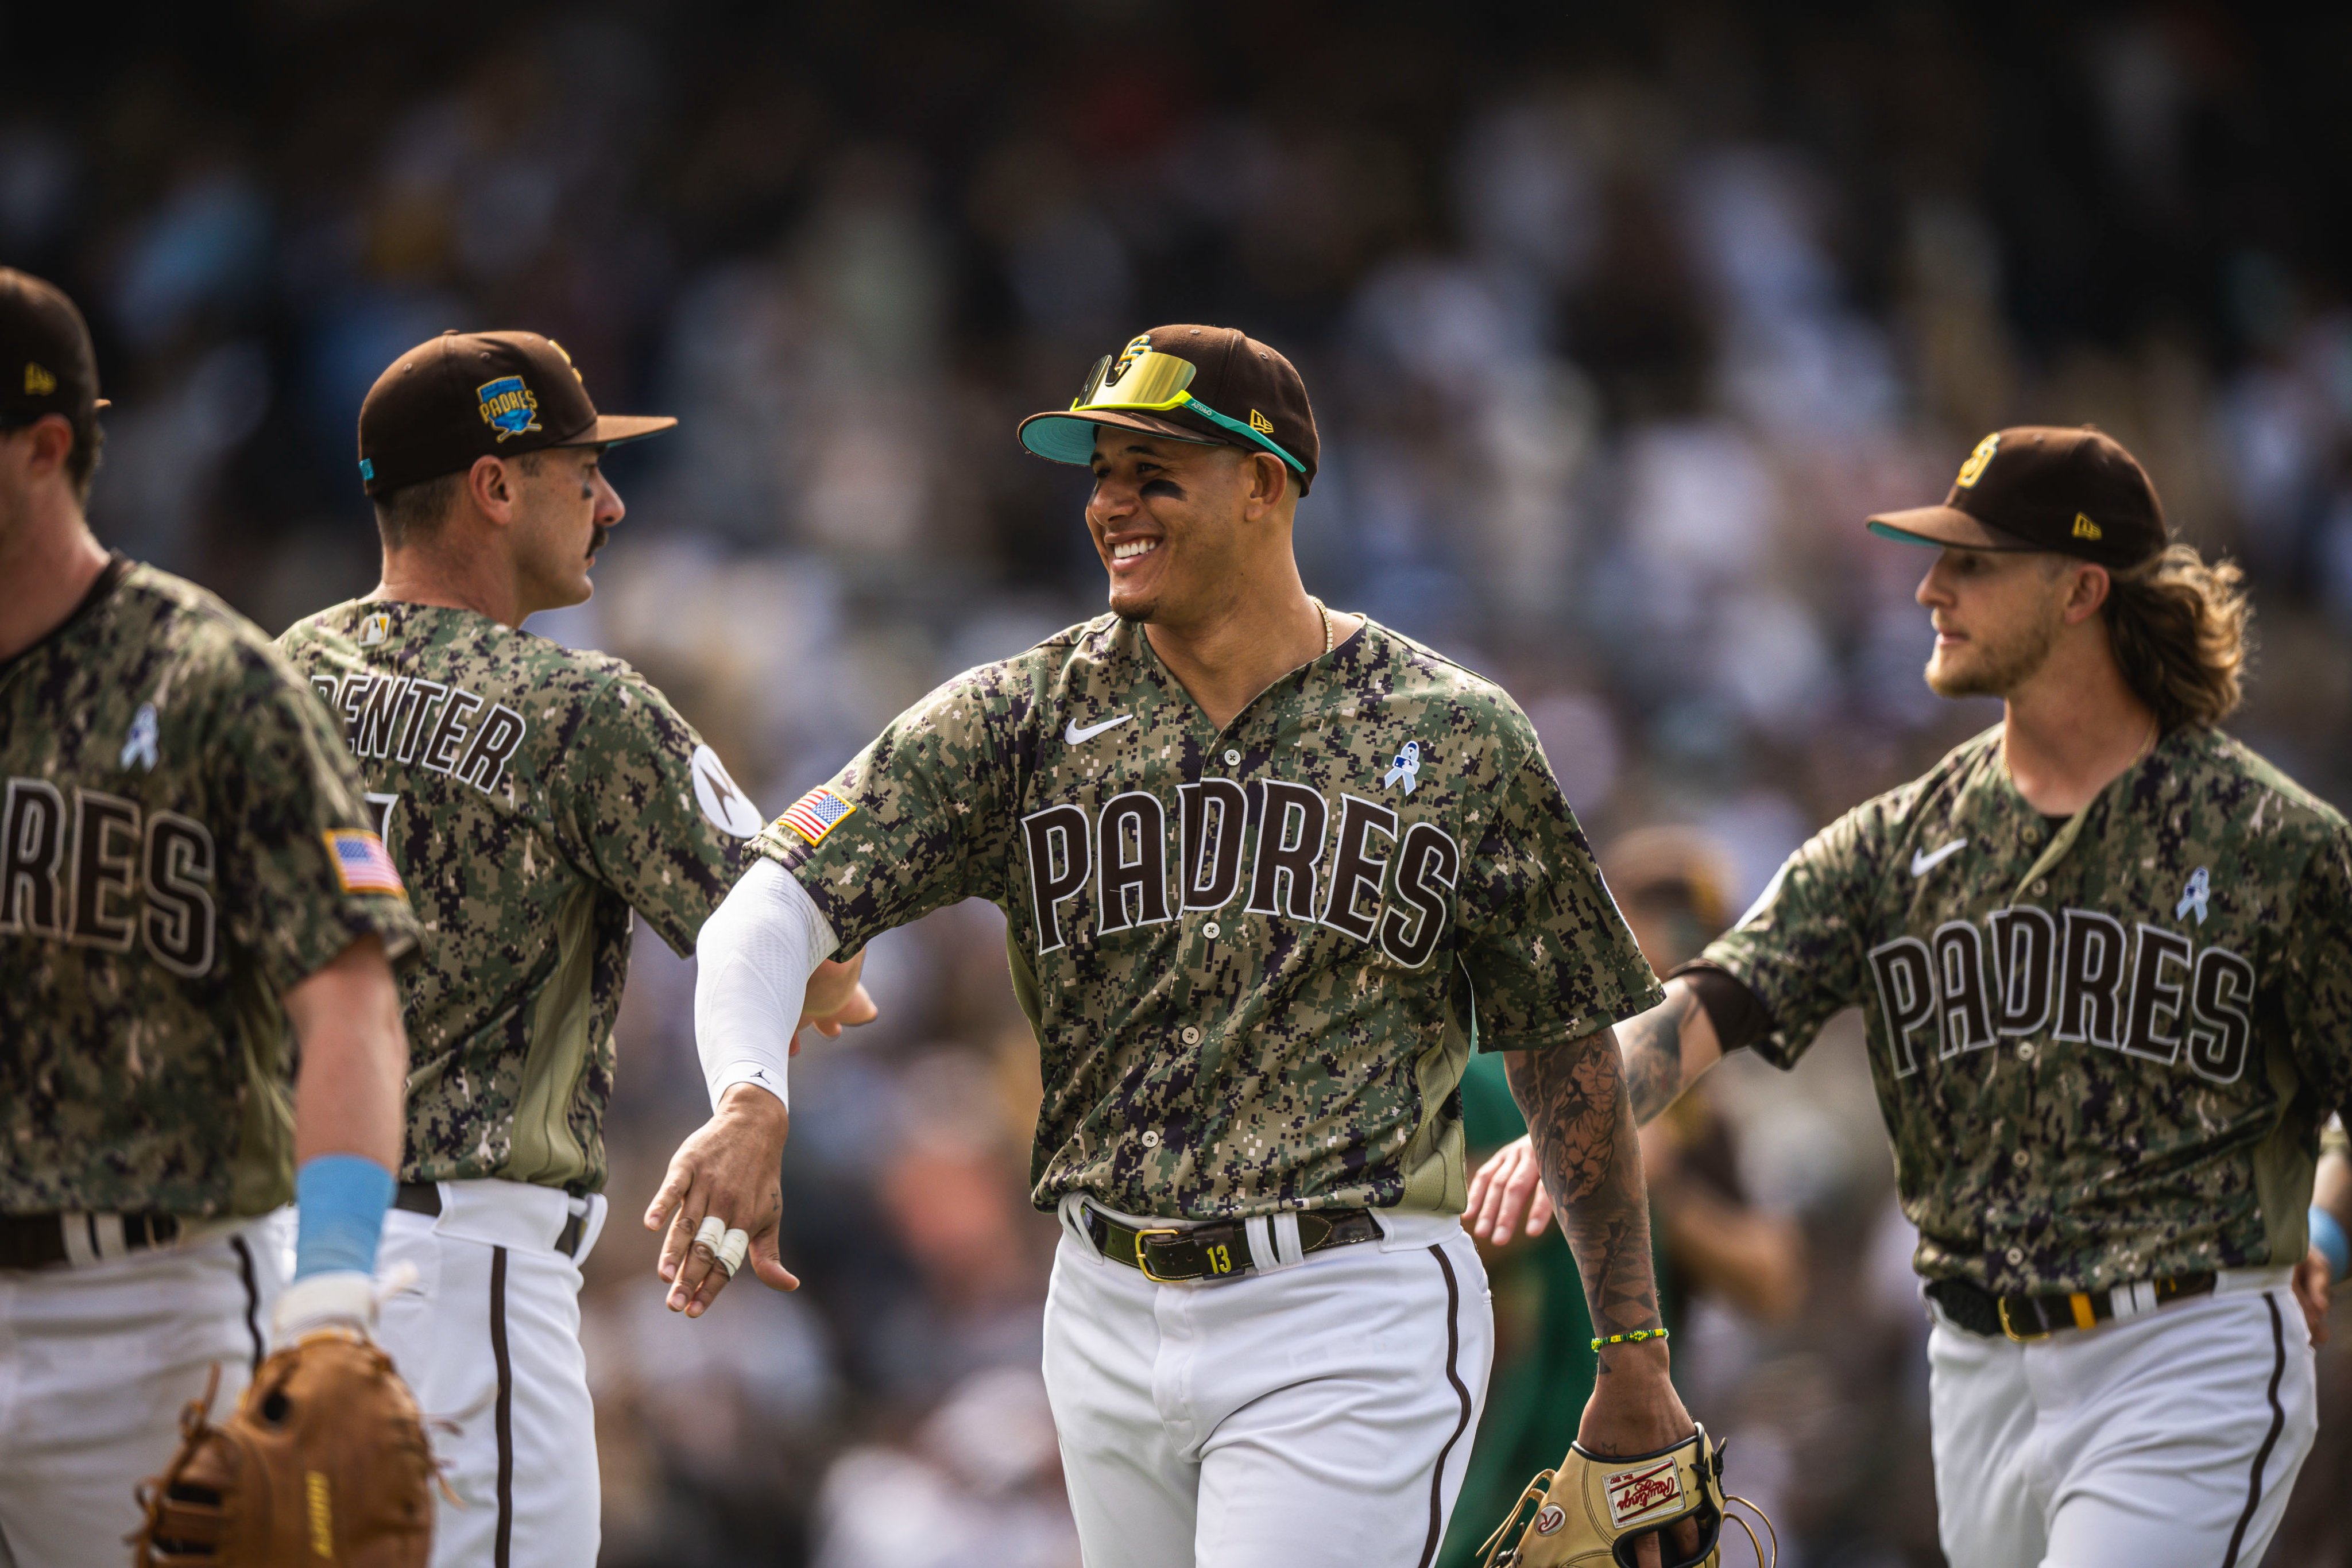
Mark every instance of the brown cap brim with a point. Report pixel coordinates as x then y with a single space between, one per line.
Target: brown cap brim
612 429
1065 436
1944 528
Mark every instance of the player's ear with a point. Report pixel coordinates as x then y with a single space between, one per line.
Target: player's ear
490 485
1265 482
2087 592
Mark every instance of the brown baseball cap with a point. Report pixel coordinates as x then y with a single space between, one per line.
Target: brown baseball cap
46 364
464 395
2043 487
1211 384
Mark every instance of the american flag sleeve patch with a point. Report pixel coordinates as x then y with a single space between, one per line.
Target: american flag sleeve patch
816 814
362 865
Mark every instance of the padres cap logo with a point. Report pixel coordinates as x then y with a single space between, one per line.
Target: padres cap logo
1973 469
38 382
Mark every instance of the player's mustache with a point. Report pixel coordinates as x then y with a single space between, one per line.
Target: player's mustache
596 540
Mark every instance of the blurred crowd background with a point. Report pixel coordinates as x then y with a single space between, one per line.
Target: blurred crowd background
1617 318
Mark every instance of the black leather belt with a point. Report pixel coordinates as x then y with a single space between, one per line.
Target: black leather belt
424 1197
2027 1318
38 1241
1170 1254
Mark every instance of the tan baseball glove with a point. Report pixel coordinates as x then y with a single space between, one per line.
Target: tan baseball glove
325 1462
1591 1511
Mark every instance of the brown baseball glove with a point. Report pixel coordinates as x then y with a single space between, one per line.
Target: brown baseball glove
325 1461
1591 1511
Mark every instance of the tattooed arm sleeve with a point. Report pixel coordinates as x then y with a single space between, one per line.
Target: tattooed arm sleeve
1581 1121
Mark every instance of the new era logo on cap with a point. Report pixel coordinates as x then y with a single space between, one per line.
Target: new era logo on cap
38 382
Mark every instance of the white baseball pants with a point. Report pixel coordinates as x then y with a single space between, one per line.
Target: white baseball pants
2168 1439
490 1343
96 1364
1320 1413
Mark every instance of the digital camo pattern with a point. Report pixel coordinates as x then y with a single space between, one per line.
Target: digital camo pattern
2104 1048
532 796
1252 958
164 877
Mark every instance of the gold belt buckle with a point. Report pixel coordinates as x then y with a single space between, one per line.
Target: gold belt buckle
2000 1305
1143 1256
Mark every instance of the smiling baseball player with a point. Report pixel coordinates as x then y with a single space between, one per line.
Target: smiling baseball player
2105 954
186 869
1270 872
534 796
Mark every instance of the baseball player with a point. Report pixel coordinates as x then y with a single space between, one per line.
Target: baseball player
533 795
1271 873
186 869
2105 954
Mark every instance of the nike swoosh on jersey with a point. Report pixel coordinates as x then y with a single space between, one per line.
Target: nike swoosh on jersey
1076 735
1924 862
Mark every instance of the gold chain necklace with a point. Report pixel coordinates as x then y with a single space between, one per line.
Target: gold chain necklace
1323 611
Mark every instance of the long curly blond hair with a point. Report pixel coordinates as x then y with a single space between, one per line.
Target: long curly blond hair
2178 624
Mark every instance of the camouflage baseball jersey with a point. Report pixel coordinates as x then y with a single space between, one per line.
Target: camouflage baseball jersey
2104 1046
183 843
1256 958
532 795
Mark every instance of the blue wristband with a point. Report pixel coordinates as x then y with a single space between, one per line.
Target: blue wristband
339 1201
2327 1235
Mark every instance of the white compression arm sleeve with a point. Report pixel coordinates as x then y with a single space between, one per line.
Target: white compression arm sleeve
754 958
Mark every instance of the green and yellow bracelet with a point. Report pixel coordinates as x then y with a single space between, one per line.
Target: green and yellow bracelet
1637 1337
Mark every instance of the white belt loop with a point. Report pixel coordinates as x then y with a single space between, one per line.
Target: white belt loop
1287 1250
80 1239
1265 1256
591 1211
1072 1212
112 1243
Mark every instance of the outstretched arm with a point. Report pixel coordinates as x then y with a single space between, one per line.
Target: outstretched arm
760 980
1665 1052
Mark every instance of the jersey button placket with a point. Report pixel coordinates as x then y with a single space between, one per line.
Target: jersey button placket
1210 930
1232 758
1189 1035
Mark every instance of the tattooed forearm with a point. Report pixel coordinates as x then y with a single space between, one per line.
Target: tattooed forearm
1654 1052
1581 1122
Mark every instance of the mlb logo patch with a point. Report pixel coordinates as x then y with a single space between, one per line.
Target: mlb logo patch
816 814
360 864
508 407
1635 1494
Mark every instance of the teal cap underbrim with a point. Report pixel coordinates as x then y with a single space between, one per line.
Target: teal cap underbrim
1070 437
1059 439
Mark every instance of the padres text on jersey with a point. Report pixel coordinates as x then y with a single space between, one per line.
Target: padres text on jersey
180 843
1254 959
2105 1045
531 795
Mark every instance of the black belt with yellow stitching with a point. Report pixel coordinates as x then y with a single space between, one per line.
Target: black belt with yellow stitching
43 1240
2023 1318
1169 1255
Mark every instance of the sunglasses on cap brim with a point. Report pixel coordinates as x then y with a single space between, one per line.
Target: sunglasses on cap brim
1154 383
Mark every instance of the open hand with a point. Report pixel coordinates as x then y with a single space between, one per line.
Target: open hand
732 1169
837 1000
1506 1193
